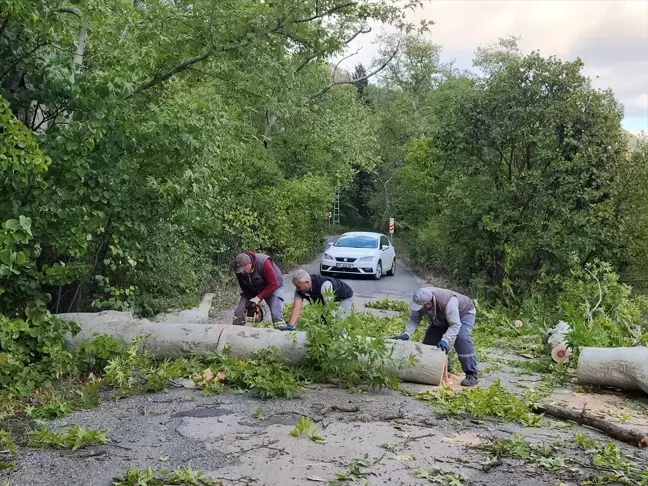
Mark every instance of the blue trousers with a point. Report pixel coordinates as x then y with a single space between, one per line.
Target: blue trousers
463 344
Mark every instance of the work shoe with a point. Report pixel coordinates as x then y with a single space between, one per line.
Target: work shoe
470 380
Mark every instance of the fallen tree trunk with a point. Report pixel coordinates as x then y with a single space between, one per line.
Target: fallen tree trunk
625 368
173 340
611 429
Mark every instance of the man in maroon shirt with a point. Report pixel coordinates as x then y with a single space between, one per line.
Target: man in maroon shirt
259 279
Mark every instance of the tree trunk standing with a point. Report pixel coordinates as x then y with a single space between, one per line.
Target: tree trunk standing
268 126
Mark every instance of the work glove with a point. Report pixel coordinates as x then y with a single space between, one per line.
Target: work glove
287 327
402 337
256 300
443 345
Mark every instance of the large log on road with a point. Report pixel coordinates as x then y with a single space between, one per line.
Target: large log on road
625 368
173 340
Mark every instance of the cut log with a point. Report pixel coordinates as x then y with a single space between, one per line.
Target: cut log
625 368
611 429
560 351
167 340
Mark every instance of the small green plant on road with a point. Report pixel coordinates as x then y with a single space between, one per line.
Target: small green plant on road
74 439
437 476
148 477
355 471
305 426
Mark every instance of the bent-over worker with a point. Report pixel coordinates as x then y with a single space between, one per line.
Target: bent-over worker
451 317
260 279
313 288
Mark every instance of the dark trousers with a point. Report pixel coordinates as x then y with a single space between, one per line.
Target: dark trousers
463 344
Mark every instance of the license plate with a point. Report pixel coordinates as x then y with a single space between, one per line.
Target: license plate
345 265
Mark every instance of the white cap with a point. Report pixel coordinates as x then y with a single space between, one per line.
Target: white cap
421 297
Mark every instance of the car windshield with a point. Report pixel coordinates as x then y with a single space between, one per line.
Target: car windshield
357 242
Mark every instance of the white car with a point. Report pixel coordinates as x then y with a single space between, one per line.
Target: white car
360 253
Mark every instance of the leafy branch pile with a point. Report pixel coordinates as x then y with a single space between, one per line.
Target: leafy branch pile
149 477
494 401
600 310
608 462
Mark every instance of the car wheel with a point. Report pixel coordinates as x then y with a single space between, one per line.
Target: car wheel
392 270
378 273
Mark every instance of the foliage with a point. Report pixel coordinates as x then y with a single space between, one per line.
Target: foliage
93 356
519 448
437 476
31 343
388 304
341 351
601 312
265 373
632 197
354 471
494 401
74 439
148 477
305 426
7 450
612 464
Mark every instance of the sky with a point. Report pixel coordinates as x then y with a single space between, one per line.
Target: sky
609 36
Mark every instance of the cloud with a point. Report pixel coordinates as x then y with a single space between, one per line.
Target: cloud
610 36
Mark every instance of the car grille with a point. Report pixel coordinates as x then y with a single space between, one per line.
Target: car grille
349 260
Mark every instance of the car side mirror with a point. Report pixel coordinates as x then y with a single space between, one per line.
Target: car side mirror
385 247
329 244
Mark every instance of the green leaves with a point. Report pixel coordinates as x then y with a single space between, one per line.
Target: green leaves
305 426
74 439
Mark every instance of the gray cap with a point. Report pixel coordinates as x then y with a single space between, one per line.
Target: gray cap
241 262
421 297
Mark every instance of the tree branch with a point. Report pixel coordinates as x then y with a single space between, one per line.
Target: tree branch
342 60
309 58
15 63
294 38
69 10
325 13
327 88
184 65
170 73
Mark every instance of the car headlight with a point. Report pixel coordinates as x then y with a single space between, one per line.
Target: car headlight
327 257
366 259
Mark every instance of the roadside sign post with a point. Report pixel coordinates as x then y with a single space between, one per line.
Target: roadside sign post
391 226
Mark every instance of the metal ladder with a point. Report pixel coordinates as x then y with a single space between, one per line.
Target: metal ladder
336 206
